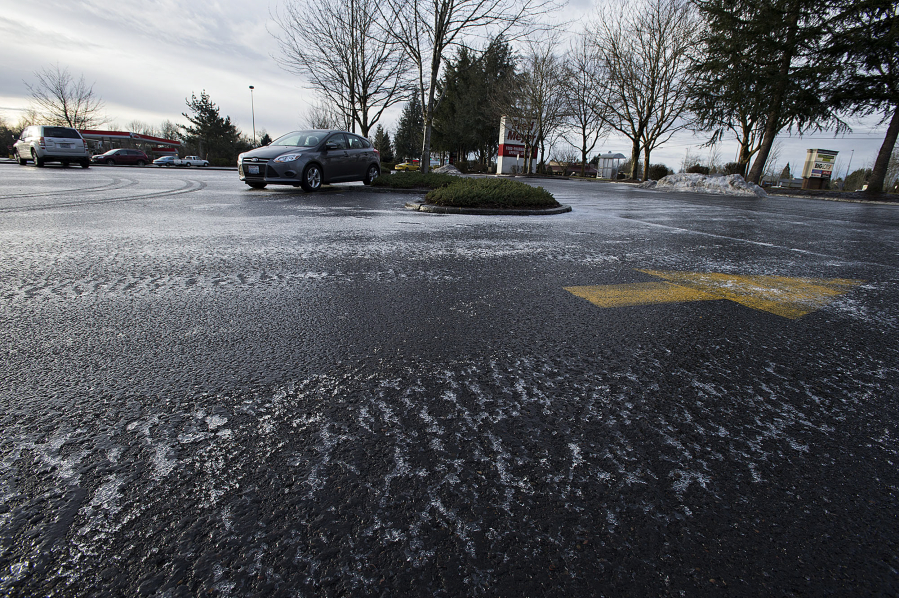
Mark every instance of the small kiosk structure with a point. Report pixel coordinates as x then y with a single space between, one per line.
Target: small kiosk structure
608 165
818 168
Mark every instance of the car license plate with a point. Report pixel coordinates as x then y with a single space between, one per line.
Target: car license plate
65 145
252 170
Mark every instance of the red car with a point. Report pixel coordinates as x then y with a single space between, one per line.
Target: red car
122 156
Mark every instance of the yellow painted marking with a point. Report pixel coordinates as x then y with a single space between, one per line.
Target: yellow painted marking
787 297
644 293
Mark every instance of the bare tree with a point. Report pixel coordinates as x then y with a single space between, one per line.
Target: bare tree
64 101
333 44
169 130
426 29
539 96
324 115
772 167
644 53
584 115
28 117
142 128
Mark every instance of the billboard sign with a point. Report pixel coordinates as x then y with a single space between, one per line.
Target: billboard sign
819 164
510 157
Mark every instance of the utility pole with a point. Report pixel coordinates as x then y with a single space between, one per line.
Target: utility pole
843 184
253 112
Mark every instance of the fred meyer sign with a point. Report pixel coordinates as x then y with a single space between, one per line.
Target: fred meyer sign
511 140
511 158
819 164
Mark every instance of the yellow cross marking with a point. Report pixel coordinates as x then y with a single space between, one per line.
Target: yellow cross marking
787 297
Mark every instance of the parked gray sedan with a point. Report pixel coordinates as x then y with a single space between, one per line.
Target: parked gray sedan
310 159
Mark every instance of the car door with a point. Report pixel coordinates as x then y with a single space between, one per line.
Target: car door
23 145
335 158
358 157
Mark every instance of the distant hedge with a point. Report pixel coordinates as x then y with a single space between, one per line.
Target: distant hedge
491 193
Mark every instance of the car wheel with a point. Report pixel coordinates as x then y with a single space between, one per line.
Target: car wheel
372 174
39 162
85 164
110 162
65 163
188 164
257 185
312 178
141 163
22 161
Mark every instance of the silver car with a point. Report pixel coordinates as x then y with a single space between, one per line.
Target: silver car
42 144
310 159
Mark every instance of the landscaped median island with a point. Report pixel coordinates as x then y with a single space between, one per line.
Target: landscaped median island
414 180
454 194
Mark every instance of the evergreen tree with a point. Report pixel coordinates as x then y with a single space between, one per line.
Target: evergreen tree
467 119
266 140
763 56
407 139
216 137
382 144
864 47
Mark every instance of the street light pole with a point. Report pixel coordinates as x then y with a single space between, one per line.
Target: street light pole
848 166
253 111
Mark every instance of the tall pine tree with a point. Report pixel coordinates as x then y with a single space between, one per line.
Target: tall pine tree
864 48
468 117
764 56
216 137
407 139
381 142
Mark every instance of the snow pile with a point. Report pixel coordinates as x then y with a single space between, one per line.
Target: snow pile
732 184
448 169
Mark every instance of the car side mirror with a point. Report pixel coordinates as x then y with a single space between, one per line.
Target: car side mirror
332 146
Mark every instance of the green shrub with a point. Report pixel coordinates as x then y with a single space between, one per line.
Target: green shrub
491 193
414 180
697 169
735 168
658 171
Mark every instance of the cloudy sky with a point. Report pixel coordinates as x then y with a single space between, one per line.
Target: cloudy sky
145 58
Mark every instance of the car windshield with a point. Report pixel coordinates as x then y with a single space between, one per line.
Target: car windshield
299 139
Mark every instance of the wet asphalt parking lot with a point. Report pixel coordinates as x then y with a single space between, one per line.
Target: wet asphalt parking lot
209 390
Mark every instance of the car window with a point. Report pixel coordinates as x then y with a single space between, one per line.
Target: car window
299 139
355 142
61 132
339 139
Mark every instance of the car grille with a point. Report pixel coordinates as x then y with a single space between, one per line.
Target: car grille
260 162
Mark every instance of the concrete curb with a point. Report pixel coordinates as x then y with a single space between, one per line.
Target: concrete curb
432 209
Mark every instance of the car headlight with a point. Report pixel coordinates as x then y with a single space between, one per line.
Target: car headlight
288 158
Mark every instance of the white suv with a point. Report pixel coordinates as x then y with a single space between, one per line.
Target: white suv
42 144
